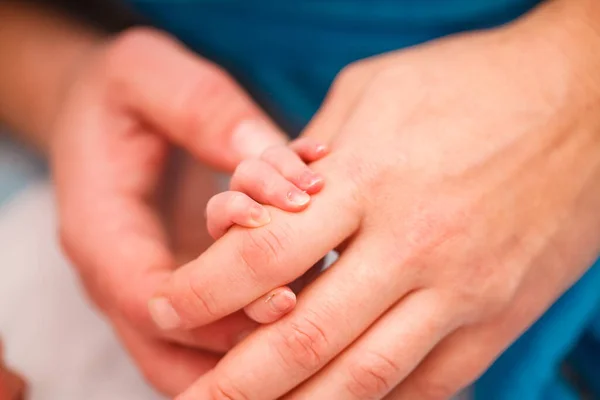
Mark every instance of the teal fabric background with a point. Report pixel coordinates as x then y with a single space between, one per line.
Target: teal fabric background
287 53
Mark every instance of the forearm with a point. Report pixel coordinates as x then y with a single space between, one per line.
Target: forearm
40 50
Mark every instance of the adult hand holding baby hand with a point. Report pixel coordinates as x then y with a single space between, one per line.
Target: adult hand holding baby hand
462 187
130 100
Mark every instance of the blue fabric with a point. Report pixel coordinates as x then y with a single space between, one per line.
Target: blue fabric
287 53
530 368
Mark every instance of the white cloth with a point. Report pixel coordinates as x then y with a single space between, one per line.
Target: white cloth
52 335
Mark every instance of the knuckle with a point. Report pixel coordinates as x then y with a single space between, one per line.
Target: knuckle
205 299
261 250
302 344
373 377
488 293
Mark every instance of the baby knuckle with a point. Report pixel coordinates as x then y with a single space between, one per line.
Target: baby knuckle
261 250
302 344
373 377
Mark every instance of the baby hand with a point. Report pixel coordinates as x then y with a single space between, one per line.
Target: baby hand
279 178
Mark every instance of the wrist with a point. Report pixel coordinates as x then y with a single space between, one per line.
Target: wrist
562 39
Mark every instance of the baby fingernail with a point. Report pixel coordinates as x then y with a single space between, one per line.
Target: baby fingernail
259 216
310 180
321 149
283 301
163 314
298 198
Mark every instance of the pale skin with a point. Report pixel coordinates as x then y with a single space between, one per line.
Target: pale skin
78 96
109 174
462 191
278 175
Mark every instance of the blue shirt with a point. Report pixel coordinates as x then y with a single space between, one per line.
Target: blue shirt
287 53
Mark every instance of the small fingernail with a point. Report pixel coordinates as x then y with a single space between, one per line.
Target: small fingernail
163 314
252 137
283 301
259 216
310 179
321 149
298 198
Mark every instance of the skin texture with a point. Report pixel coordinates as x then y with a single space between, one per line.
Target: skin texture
136 97
131 201
112 113
286 174
462 192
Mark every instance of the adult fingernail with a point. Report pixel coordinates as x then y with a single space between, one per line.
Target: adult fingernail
251 137
259 216
298 198
283 301
163 314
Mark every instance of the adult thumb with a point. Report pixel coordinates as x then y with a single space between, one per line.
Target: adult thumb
196 104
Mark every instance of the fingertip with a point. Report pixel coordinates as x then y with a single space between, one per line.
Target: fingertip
258 216
272 307
309 149
311 182
297 199
282 301
321 150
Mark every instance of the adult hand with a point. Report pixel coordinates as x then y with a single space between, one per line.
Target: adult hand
131 100
463 184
